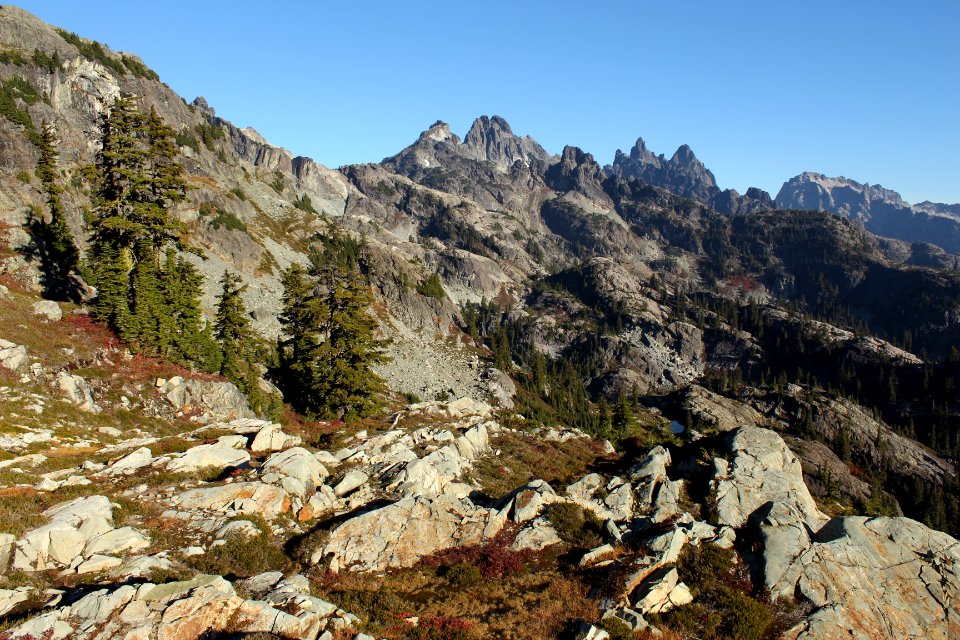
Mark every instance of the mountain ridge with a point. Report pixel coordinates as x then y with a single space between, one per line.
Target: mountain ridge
598 386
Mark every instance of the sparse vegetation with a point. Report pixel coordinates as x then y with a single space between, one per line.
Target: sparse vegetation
432 287
209 134
303 204
93 50
576 525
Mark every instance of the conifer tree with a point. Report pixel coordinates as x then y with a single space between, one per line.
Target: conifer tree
191 339
301 318
139 181
231 328
623 418
62 256
329 344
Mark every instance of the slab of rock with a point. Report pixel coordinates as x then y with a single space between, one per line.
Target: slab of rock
272 438
763 470
238 497
119 540
129 464
667 503
12 356
399 534
243 528
208 456
99 563
868 578
720 413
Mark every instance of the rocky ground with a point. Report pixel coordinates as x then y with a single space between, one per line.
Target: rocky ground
138 503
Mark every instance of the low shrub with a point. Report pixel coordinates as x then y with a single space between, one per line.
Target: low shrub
442 628
617 628
432 287
242 555
462 575
493 559
723 608
576 525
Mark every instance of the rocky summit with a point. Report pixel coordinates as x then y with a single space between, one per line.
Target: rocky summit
474 390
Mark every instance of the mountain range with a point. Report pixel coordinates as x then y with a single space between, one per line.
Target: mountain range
620 396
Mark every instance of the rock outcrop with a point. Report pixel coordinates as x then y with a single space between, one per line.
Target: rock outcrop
882 211
762 470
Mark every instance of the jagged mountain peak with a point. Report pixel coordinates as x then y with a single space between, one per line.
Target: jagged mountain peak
492 139
439 131
485 124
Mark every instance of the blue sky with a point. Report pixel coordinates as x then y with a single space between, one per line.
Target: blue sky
760 90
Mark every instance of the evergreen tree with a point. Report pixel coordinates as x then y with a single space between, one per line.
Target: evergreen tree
623 418
156 310
60 250
301 318
191 339
329 344
145 327
231 328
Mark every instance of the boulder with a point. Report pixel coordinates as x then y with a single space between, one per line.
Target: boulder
474 442
531 499
620 501
218 455
352 481
272 438
763 470
296 470
401 533
431 474
48 309
77 390
7 543
214 400
648 473
536 535
76 531
12 356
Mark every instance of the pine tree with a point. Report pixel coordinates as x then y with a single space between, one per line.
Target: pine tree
329 345
156 310
231 328
146 328
623 418
191 340
60 249
301 318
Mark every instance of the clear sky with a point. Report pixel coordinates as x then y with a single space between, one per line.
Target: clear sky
760 90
